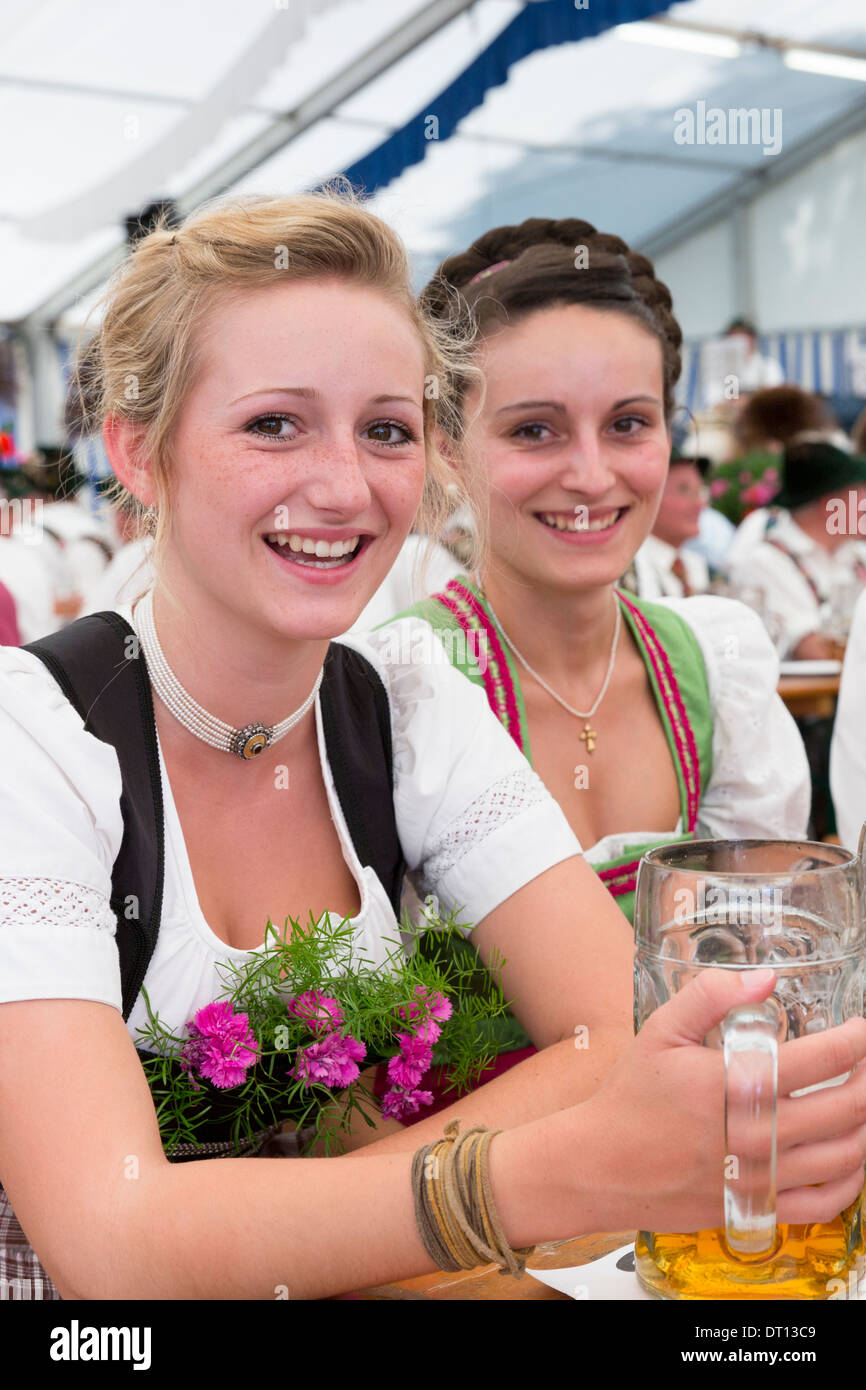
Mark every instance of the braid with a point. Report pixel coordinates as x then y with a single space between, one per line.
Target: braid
657 297
540 258
500 244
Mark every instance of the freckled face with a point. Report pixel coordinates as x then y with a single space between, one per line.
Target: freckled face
298 456
574 443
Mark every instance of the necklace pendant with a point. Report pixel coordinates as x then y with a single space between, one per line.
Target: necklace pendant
589 737
251 740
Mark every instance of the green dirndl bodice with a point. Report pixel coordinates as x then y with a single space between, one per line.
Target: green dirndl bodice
675 666
677 674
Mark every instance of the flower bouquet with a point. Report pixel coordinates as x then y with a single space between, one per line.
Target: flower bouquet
288 1036
744 484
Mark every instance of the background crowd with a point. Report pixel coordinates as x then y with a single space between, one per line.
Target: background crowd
765 502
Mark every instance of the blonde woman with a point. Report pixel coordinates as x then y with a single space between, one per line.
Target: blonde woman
281 438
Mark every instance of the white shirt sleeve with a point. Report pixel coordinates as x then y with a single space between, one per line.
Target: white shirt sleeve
475 822
788 599
848 748
62 828
760 785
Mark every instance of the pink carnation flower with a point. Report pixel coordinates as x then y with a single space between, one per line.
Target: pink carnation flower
759 495
397 1104
319 1011
221 1046
413 1059
717 487
435 1005
428 1032
332 1061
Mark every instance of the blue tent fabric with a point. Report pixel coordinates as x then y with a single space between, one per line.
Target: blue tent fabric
538 26
831 362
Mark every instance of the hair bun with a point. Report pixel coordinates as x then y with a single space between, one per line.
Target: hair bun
511 270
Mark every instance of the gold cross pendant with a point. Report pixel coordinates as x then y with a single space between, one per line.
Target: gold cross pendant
589 737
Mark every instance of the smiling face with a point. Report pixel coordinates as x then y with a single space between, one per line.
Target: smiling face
298 456
574 444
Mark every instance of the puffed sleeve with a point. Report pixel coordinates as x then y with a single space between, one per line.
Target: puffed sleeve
62 827
848 748
760 786
475 822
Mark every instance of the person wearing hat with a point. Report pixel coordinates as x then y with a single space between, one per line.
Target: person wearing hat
808 561
663 566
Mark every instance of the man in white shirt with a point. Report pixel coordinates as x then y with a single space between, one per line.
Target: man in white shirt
756 372
86 544
808 558
662 567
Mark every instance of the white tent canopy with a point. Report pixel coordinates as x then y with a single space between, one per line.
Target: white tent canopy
109 106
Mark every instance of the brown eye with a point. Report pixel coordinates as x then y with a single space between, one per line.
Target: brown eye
380 430
532 431
269 426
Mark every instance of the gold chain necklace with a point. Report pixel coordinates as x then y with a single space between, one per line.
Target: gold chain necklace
589 736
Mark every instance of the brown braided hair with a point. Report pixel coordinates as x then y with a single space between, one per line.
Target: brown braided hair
551 262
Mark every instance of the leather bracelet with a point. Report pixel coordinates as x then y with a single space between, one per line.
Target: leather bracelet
455 1212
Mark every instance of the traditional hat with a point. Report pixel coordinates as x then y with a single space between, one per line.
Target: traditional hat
815 468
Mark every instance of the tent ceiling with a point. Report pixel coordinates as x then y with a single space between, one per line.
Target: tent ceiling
579 129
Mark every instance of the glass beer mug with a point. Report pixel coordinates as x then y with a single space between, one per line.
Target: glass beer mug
746 904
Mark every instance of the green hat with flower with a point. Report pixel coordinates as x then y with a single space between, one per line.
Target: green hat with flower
814 468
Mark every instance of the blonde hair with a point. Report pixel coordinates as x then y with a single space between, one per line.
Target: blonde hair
143 359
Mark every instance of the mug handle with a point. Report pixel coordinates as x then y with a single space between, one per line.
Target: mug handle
751 1053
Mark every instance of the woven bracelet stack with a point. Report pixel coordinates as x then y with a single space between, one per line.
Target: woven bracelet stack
454 1208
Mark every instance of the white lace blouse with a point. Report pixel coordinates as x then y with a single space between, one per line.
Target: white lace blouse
474 821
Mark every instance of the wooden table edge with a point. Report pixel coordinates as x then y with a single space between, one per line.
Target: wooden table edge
487 1284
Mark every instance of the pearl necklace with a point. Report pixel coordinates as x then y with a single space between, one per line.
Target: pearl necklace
589 736
247 742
